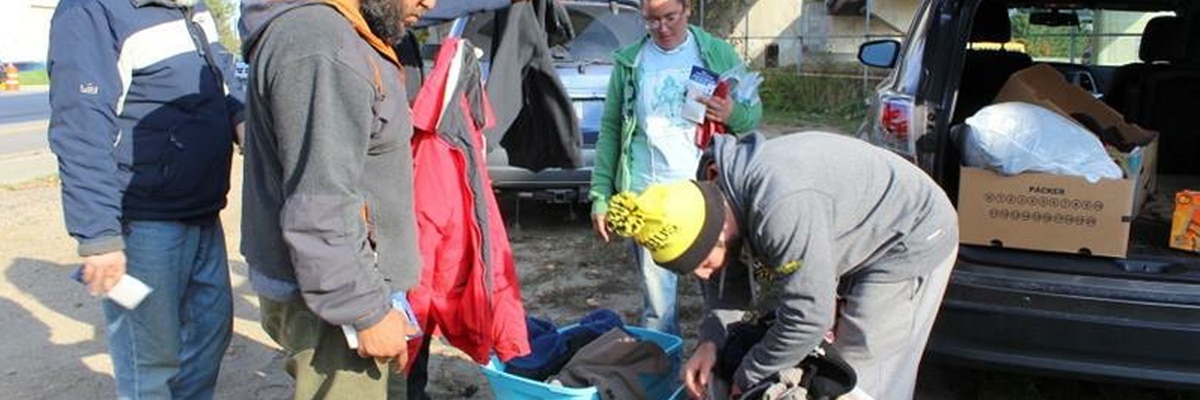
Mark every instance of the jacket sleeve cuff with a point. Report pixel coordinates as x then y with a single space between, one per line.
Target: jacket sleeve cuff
599 206
100 245
372 317
741 121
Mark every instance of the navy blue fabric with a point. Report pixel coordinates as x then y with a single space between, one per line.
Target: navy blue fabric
157 147
826 373
550 349
544 343
596 323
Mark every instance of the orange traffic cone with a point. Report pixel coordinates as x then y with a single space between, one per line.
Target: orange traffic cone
11 82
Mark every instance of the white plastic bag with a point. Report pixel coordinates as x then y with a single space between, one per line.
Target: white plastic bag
744 85
1020 137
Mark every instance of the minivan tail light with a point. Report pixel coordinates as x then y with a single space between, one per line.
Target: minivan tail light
893 126
895 118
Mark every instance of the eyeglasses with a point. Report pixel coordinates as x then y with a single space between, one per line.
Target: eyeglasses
669 19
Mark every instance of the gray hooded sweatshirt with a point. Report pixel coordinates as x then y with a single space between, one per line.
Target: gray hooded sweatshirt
817 211
328 208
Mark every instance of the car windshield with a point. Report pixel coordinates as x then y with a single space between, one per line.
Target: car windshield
598 31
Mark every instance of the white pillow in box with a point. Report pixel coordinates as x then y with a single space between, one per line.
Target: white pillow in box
1016 137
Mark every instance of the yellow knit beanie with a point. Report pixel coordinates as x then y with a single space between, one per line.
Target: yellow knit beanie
678 222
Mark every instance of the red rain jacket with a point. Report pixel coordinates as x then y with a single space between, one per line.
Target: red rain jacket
468 288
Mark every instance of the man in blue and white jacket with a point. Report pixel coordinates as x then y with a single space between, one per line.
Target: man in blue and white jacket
143 123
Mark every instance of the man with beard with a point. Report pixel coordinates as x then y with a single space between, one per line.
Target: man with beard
328 222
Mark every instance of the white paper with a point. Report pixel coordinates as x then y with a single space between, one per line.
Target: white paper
701 84
351 336
129 292
400 303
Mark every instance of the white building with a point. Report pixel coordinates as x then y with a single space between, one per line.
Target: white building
25 29
794 31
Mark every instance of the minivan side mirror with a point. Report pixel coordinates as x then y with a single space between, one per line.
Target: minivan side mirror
880 53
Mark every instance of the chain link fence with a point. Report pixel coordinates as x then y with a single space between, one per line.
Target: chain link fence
807 52
812 79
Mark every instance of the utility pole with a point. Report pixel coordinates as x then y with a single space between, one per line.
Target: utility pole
746 31
867 37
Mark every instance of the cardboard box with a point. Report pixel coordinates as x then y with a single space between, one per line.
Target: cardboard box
1040 211
1054 212
1045 212
1185 223
1043 85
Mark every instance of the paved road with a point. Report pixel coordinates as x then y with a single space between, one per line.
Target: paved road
24 150
30 104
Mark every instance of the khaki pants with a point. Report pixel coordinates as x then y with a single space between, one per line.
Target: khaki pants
321 362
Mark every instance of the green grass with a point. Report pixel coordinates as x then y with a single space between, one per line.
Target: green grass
37 77
792 98
811 119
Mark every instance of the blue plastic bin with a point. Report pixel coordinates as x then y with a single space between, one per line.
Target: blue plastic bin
506 386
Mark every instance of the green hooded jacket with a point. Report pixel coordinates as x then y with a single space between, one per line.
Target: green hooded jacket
611 171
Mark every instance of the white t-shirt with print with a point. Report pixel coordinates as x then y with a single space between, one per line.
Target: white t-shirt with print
667 151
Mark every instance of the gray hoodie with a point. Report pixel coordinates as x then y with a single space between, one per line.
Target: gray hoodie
817 210
328 208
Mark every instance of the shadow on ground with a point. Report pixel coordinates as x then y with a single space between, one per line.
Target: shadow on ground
82 369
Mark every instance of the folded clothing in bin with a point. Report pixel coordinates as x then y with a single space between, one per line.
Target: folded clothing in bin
551 349
613 362
665 385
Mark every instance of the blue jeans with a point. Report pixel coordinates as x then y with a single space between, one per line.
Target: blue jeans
658 289
170 346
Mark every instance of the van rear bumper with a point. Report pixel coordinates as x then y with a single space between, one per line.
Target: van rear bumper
1068 324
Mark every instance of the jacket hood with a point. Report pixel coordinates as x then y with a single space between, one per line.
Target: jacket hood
258 14
733 156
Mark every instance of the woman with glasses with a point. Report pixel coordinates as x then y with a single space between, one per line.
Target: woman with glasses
644 136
